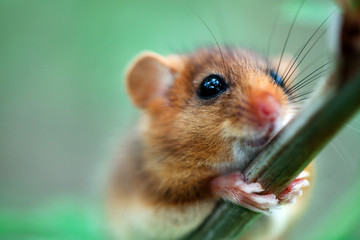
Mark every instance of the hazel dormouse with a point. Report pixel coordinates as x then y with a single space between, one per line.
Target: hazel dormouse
205 116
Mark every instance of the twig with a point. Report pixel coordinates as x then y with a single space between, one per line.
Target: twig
293 149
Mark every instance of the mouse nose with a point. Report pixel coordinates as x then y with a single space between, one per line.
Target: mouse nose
265 107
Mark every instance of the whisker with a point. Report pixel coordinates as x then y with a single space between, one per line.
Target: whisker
307 42
220 17
247 120
288 66
244 104
303 70
272 33
213 36
300 100
246 113
245 101
353 128
313 72
296 108
297 66
310 80
293 97
288 35
337 150
356 120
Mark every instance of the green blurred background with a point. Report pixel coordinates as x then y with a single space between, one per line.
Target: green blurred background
63 108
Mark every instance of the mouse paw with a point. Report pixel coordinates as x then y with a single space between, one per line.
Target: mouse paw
233 188
294 189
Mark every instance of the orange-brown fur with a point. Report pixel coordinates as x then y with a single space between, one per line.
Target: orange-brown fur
184 141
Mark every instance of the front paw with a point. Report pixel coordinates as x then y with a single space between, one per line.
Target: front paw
294 189
233 188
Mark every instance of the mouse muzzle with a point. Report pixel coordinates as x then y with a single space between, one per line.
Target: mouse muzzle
264 108
263 113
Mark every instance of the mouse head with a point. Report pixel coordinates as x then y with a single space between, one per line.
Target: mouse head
209 106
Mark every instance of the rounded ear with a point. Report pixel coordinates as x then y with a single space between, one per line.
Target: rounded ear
148 78
285 66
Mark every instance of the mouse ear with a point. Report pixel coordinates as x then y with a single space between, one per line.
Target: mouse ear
148 78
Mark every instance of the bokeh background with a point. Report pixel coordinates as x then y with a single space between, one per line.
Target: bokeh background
63 107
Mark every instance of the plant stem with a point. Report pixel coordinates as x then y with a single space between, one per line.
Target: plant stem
294 147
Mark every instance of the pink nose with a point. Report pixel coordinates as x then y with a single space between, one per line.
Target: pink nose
265 107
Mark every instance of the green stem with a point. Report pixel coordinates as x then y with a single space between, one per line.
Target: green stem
294 147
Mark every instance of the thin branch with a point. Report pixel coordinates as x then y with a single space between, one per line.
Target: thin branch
294 147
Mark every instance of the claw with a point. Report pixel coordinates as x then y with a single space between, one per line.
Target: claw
232 187
294 189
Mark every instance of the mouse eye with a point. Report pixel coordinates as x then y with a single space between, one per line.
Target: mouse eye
212 86
278 80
